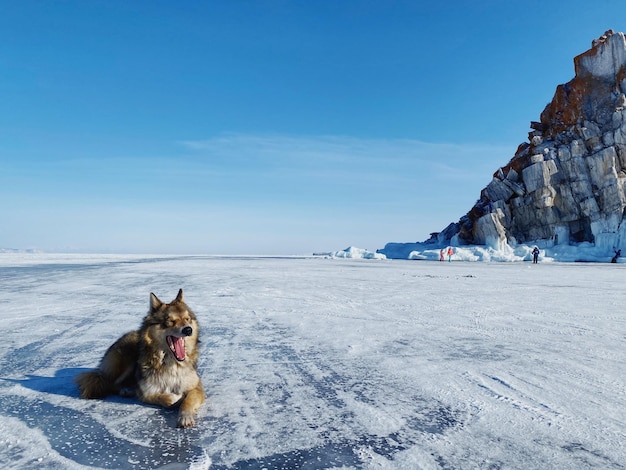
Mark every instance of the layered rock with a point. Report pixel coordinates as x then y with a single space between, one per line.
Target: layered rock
567 182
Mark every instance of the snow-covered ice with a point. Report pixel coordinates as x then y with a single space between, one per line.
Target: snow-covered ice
324 363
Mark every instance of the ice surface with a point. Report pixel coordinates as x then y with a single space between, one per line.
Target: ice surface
323 363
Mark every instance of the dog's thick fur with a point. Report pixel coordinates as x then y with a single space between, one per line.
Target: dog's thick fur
157 363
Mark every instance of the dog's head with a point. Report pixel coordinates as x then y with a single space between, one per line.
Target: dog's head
173 323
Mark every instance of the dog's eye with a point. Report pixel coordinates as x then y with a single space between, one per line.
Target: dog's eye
169 323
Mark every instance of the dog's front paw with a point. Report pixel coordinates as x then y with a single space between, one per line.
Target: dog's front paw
185 420
162 399
170 399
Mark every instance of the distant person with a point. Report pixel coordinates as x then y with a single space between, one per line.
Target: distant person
450 253
618 253
441 255
535 255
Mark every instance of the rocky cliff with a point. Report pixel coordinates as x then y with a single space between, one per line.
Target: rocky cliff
567 182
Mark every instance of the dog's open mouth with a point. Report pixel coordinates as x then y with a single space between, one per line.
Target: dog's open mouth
177 345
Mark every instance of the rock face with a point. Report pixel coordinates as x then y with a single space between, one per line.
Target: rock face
567 182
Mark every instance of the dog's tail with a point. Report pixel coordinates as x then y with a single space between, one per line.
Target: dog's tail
94 384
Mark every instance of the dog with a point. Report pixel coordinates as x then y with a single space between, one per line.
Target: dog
158 363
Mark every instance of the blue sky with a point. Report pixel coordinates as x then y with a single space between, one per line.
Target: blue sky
267 127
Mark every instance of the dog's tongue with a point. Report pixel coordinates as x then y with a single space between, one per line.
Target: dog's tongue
177 345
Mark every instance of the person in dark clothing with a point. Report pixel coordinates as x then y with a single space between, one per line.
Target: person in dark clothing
618 253
535 255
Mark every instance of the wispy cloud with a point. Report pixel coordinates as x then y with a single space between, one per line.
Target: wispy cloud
360 157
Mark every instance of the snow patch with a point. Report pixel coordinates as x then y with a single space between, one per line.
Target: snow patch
549 252
357 253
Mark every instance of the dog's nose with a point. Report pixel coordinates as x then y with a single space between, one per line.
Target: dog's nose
187 331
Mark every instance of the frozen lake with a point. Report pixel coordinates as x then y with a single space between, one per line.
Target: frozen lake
324 363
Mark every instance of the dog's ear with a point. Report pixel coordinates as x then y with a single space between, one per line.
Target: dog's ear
179 297
155 303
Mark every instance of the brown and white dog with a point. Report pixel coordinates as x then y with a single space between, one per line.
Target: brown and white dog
158 362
